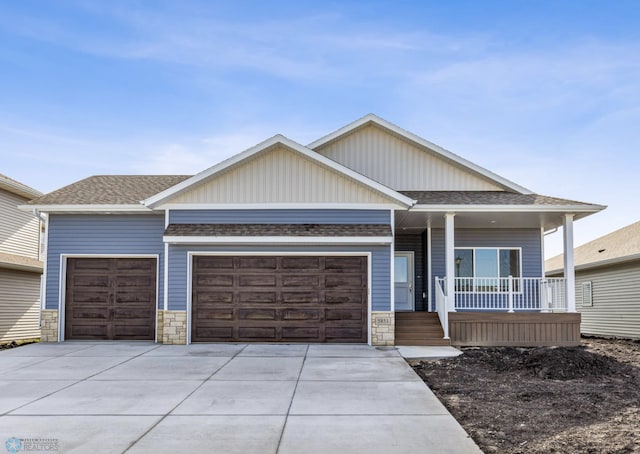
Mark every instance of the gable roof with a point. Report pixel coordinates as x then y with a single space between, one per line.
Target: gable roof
15 187
427 146
616 247
107 190
265 146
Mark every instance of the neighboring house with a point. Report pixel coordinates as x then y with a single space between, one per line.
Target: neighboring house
20 265
370 234
607 273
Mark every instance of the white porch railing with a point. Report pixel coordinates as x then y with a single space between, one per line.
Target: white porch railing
441 306
509 293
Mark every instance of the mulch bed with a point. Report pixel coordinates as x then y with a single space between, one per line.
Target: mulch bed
14 344
544 400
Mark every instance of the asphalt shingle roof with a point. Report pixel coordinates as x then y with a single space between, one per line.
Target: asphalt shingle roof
485 198
616 246
110 190
323 230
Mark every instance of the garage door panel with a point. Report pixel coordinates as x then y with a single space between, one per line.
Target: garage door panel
88 265
86 297
90 280
301 281
257 297
301 333
280 299
257 263
134 265
301 314
300 297
221 333
257 333
132 313
110 298
264 280
344 314
208 313
88 331
343 332
257 314
346 281
214 297
215 263
333 297
144 282
344 263
301 263
88 313
217 280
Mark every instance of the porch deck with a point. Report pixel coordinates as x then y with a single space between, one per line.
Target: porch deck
495 329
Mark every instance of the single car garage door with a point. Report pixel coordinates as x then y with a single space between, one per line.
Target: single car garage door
279 299
110 298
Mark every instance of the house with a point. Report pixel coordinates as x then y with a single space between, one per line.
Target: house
20 265
607 272
370 234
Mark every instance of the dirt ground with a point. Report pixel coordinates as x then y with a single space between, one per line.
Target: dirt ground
544 400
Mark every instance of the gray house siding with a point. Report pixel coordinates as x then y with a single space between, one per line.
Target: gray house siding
380 268
279 216
415 243
615 309
101 234
527 239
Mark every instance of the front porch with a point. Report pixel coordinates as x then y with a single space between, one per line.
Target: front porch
493 292
523 312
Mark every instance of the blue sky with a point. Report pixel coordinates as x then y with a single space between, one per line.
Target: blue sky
546 94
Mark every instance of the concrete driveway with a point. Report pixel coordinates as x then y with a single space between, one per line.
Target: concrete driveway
220 398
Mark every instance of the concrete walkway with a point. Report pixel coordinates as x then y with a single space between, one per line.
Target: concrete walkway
220 398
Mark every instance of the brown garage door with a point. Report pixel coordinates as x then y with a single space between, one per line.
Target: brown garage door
110 298
279 299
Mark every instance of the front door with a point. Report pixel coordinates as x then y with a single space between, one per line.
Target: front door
403 272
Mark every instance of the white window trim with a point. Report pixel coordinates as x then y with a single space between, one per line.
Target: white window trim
497 249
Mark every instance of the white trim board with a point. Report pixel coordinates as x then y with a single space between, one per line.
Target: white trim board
304 240
191 254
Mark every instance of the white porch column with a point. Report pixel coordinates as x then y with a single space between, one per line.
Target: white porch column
449 257
569 271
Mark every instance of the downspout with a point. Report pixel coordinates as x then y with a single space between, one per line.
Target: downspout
43 280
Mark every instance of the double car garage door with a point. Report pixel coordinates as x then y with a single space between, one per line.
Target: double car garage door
234 298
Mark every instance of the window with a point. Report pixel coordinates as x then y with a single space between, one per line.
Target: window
587 294
487 269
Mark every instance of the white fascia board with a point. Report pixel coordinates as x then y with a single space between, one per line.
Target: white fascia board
371 118
19 189
510 208
278 139
85 208
276 240
276 206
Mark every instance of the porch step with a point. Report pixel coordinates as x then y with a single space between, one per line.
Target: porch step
419 328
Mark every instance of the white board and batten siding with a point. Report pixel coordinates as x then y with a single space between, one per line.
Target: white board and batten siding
19 233
280 176
19 305
614 309
400 164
